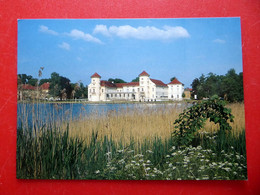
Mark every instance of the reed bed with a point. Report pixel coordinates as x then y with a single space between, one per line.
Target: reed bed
129 144
238 126
138 123
129 124
145 124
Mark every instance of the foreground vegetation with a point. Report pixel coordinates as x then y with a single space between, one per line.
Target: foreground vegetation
132 145
55 155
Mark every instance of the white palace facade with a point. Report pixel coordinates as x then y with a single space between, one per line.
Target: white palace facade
146 89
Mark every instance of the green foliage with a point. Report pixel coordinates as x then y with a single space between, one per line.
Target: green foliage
173 78
80 91
229 86
33 82
194 118
60 86
51 153
42 81
135 80
116 80
26 79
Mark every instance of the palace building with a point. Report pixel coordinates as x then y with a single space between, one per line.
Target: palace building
146 89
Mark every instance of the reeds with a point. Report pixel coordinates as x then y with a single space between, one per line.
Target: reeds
53 154
86 148
137 124
145 124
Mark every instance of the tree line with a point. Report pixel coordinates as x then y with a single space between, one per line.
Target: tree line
60 86
228 86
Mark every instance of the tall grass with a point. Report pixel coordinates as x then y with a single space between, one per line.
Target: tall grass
129 145
144 125
53 154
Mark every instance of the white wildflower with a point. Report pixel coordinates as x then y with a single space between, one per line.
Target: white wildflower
226 169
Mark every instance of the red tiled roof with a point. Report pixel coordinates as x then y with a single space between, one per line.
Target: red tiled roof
158 83
45 86
174 82
120 85
28 87
144 74
131 84
96 75
187 89
117 85
107 84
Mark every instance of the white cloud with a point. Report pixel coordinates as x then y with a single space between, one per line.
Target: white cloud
45 29
219 41
64 45
101 29
143 32
77 34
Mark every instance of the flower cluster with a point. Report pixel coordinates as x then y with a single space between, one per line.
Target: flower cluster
186 163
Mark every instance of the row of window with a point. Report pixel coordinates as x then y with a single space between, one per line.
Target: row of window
119 95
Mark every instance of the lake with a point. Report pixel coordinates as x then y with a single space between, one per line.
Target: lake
51 112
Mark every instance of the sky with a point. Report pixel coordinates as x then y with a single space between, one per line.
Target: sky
123 48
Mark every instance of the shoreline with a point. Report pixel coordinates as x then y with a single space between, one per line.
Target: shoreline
106 102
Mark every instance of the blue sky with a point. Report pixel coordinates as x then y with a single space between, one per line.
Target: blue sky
123 48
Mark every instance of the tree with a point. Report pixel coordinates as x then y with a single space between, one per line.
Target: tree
60 86
55 87
33 81
27 79
79 90
42 81
135 80
232 85
173 78
195 87
229 86
116 80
